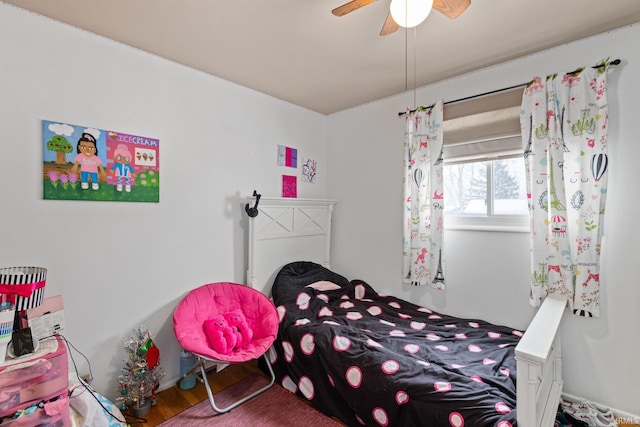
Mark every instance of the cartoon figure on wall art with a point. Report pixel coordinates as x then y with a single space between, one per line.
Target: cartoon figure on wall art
114 166
122 167
88 160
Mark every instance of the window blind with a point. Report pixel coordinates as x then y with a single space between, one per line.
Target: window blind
483 128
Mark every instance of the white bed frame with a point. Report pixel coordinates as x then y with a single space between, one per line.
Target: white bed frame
287 230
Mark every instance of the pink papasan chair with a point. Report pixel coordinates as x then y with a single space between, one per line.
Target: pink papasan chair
212 300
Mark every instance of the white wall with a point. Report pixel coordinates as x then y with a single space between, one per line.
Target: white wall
487 272
218 143
118 265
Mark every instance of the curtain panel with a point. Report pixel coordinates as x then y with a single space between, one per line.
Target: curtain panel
423 198
564 122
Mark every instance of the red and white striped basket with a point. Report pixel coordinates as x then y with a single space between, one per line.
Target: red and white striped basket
22 286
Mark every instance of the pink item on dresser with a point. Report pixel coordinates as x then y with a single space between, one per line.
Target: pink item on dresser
40 379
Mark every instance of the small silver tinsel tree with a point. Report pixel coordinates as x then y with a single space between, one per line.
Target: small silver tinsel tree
141 376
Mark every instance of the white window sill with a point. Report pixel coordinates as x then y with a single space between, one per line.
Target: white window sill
509 224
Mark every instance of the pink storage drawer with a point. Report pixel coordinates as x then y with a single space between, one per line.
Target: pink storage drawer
41 376
53 412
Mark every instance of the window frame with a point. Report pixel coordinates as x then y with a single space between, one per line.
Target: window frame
488 221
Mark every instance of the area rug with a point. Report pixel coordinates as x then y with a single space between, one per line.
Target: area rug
276 407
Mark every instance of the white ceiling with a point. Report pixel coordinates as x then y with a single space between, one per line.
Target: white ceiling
296 50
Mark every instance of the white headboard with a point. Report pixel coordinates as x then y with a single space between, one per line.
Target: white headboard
287 230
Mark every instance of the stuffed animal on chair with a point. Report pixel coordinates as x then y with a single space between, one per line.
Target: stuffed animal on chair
237 321
220 335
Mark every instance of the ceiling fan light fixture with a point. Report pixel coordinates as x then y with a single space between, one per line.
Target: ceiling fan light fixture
410 13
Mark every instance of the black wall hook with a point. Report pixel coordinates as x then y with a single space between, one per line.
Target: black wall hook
253 211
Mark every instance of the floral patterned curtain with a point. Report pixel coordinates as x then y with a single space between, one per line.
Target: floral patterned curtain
423 198
564 120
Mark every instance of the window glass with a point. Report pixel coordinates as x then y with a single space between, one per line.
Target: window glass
486 194
465 188
509 187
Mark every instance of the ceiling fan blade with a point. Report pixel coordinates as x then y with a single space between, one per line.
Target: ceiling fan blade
451 8
389 26
350 7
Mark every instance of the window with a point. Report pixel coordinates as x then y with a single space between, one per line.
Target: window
484 169
486 194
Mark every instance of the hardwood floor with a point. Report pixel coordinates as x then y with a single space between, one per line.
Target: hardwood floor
174 400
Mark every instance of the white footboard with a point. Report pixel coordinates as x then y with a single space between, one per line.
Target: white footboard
539 366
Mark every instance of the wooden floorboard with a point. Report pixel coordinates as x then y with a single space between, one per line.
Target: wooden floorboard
174 400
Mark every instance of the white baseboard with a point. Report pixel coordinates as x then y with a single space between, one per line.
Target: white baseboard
623 417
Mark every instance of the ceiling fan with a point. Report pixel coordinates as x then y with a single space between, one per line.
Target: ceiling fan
450 8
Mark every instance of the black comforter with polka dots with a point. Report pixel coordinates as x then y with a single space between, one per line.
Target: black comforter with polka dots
376 360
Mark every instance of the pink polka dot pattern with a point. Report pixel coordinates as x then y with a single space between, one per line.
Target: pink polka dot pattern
380 416
307 344
306 387
375 310
502 408
303 301
402 397
375 360
354 376
390 367
288 383
372 343
474 348
288 351
418 326
412 348
456 419
325 311
341 343
354 315
272 355
442 386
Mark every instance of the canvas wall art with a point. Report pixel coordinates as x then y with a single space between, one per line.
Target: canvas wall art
309 170
84 163
289 186
287 156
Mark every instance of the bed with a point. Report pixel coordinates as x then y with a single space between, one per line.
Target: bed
371 359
